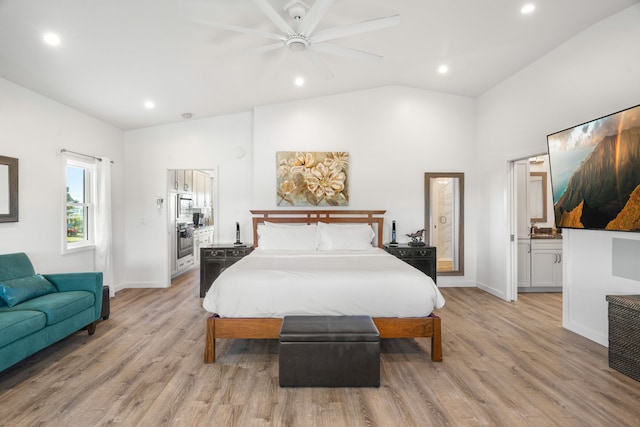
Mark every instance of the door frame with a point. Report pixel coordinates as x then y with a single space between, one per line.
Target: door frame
512 265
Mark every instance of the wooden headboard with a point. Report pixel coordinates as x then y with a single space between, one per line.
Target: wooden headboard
314 216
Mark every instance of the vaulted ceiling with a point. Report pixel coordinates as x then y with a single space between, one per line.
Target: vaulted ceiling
115 55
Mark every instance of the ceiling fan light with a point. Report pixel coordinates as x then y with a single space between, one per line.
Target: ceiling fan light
297 46
297 43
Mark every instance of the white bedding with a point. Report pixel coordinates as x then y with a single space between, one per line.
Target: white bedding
271 283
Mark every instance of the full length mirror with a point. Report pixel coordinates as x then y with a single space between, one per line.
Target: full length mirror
8 189
444 220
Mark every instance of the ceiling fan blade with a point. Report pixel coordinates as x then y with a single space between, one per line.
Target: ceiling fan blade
319 63
265 48
313 16
334 49
276 67
250 51
240 29
360 27
274 16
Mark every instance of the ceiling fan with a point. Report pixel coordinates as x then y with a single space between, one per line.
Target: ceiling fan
299 35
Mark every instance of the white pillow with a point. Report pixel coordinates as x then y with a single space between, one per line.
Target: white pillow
288 237
353 237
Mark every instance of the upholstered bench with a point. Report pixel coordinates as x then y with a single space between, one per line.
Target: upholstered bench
329 351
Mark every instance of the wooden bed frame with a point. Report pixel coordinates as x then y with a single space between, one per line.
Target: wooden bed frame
269 328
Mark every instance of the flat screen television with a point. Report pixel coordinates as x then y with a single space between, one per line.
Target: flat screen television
595 173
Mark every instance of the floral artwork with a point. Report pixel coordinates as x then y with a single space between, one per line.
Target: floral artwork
312 178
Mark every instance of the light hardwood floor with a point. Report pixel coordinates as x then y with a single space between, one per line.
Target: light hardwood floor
505 364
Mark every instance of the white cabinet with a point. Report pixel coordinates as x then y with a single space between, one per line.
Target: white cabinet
172 180
201 237
184 180
208 192
202 190
546 262
524 263
199 188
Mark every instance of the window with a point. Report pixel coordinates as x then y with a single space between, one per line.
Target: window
79 215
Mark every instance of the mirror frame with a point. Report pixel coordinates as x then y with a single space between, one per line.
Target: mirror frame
543 218
12 163
427 215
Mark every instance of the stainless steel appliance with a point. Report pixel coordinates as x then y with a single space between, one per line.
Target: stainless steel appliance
185 239
185 205
198 217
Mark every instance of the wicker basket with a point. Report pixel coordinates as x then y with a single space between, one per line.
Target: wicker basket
624 334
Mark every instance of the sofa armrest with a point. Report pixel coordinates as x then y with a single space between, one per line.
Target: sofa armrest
89 281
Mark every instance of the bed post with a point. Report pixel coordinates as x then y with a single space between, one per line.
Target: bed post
210 341
436 340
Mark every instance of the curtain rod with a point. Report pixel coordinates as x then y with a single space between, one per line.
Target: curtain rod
64 150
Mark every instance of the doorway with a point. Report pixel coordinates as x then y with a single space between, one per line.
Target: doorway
536 247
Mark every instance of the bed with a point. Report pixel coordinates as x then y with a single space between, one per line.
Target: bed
249 299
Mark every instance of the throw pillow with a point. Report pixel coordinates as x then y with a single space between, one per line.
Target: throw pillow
15 291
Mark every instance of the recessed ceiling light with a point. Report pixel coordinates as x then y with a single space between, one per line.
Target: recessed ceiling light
149 104
51 39
299 81
443 69
528 8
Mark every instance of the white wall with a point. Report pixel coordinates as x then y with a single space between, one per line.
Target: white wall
196 144
394 135
34 130
593 74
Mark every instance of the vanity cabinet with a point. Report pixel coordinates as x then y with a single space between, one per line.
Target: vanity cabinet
524 263
546 262
214 259
421 257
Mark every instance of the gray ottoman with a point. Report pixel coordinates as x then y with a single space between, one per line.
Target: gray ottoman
329 351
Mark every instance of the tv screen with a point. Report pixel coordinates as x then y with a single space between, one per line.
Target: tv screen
595 173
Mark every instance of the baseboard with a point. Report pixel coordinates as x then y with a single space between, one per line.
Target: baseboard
493 291
587 333
138 285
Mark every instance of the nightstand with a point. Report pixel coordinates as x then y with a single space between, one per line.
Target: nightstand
214 259
421 257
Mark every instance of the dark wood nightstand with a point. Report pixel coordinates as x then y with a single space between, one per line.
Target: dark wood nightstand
421 257
214 259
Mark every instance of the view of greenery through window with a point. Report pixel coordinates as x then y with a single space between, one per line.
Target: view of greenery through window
76 207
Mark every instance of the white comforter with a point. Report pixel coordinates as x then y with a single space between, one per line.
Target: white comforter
278 283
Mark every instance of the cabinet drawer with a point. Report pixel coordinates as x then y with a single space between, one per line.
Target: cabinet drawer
400 253
424 253
213 253
236 252
547 244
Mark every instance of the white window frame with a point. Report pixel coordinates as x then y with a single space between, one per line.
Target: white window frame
89 204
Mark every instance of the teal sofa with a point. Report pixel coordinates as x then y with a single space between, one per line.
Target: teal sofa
37 310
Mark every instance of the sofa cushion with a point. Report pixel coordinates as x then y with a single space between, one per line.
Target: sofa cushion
17 324
15 291
13 266
60 305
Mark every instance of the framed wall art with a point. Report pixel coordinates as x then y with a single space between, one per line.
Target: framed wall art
312 178
8 189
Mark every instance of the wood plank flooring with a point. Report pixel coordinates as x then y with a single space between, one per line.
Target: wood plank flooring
505 364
